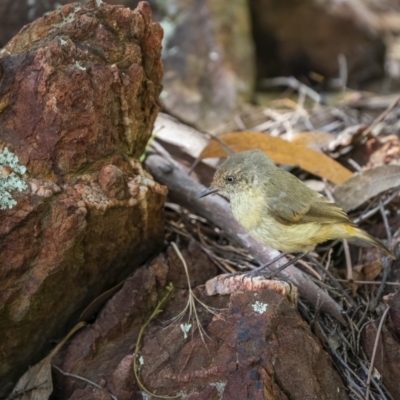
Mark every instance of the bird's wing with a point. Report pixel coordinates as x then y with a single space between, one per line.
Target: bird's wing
324 211
303 206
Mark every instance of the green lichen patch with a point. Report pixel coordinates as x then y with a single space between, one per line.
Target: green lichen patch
10 179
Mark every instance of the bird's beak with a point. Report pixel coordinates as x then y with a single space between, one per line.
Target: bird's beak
208 191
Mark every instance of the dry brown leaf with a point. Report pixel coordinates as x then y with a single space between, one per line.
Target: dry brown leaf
388 151
372 270
312 140
281 152
365 272
36 383
362 187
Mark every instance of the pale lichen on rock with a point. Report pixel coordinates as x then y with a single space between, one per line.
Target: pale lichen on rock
10 178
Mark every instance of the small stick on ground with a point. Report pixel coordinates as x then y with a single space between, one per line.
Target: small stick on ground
371 367
349 266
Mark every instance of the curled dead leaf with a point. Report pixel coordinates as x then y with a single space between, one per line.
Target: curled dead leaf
362 187
281 152
36 383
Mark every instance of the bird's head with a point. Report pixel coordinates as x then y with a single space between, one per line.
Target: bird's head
241 173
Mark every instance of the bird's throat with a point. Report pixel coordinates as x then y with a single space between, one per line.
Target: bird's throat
247 208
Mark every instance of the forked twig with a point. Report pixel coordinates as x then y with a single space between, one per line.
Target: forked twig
156 311
192 299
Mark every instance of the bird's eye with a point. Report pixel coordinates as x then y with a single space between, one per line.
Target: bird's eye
230 179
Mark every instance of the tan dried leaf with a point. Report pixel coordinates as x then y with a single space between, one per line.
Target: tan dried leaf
281 152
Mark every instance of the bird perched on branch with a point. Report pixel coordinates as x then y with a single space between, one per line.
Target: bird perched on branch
278 209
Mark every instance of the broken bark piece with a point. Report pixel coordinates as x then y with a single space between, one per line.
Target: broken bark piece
228 283
78 98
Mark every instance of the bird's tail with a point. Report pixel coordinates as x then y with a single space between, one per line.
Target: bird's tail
364 236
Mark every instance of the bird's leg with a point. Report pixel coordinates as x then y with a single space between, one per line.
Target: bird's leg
266 265
290 262
273 261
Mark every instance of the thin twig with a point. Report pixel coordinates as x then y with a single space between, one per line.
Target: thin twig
371 367
372 212
294 84
369 282
381 116
387 261
156 311
81 378
386 223
349 267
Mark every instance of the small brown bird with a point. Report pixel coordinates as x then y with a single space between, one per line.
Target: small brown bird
278 209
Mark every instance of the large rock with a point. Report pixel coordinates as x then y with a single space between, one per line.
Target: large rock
254 346
78 98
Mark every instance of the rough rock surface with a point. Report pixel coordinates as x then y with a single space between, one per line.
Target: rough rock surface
257 346
78 99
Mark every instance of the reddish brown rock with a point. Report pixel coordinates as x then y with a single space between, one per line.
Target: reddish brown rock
257 345
78 98
14 14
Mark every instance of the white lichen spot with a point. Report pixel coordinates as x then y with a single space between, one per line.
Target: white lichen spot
260 307
66 20
10 180
220 386
213 56
79 66
63 42
141 361
185 328
99 3
163 95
